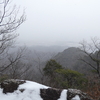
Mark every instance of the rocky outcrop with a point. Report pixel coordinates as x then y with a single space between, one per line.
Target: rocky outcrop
73 92
50 94
11 85
54 94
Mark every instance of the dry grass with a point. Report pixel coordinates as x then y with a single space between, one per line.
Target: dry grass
94 92
93 88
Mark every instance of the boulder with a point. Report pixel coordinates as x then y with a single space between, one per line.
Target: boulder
50 93
73 92
11 85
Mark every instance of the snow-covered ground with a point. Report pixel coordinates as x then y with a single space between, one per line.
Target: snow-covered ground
31 92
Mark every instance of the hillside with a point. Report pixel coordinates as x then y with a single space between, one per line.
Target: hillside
69 57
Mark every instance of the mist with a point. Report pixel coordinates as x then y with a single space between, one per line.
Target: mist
59 22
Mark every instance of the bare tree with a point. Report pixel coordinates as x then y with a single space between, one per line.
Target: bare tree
16 65
92 51
38 60
9 22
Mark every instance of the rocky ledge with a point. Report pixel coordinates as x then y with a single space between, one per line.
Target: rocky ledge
11 85
46 93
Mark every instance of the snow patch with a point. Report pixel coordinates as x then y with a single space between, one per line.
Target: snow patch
31 92
63 95
76 98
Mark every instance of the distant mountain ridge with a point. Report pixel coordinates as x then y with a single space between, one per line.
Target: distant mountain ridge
48 48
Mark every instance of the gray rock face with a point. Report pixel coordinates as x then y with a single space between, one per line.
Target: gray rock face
11 85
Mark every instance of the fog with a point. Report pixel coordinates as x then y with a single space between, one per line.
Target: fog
59 22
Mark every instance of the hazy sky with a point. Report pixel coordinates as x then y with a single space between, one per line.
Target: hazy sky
59 22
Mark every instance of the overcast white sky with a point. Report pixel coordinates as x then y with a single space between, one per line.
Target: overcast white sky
59 22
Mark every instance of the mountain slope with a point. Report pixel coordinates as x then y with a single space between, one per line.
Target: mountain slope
69 57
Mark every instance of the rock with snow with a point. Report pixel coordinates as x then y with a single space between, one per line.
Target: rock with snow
27 90
71 93
10 85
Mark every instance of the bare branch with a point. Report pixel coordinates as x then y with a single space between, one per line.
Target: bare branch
88 63
93 52
9 22
12 60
